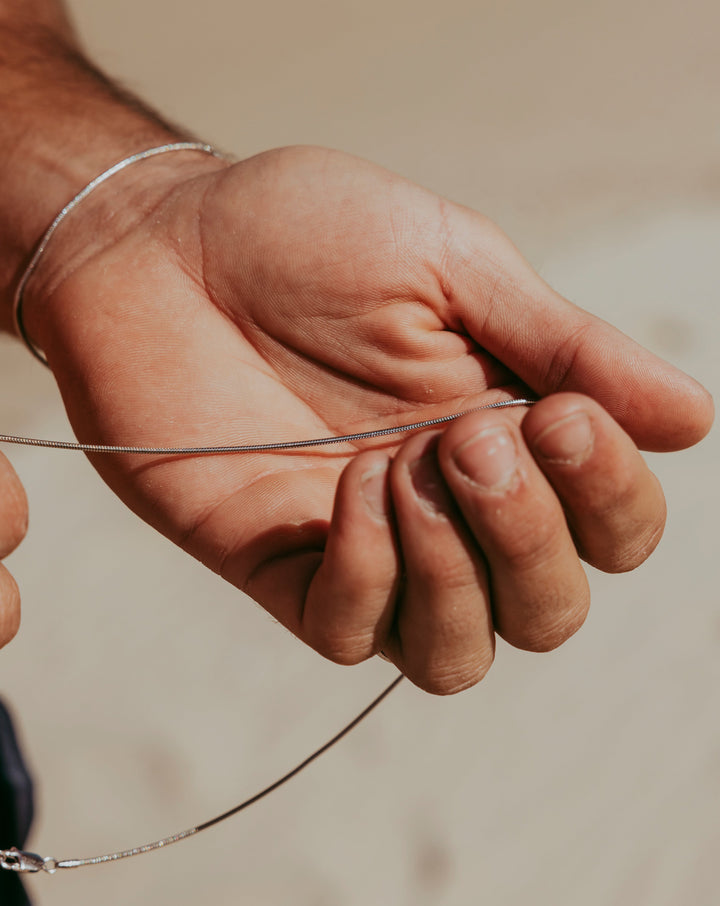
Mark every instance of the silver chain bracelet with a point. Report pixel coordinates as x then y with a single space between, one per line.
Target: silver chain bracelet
18 320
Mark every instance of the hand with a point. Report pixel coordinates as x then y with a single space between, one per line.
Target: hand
303 293
13 525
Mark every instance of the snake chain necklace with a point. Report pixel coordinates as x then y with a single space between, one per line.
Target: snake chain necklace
22 861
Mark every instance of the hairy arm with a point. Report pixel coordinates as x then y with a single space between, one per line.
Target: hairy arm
62 122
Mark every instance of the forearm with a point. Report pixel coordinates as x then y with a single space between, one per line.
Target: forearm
61 123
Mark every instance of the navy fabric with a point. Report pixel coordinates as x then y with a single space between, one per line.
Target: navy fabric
16 807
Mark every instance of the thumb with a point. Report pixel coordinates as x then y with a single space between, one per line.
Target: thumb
552 345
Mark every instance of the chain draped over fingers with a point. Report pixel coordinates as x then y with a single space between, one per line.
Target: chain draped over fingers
476 529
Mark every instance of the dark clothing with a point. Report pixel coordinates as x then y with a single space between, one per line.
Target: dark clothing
16 808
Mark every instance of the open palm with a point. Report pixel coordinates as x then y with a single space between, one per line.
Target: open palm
305 293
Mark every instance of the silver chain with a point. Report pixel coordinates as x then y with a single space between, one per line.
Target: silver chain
27 862
18 319
254 448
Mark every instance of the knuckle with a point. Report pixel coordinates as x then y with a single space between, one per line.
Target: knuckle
532 545
9 626
9 608
569 349
344 648
444 679
628 546
633 491
13 517
542 635
433 576
636 552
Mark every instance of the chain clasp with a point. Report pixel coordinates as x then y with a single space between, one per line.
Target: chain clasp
17 860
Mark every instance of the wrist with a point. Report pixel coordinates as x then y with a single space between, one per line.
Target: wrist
63 124
133 193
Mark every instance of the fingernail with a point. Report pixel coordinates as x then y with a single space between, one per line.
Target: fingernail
569 441
373 486
489 459
429 485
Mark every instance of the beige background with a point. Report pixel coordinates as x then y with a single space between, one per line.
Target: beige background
152 696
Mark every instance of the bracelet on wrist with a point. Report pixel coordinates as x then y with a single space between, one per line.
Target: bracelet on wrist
18 300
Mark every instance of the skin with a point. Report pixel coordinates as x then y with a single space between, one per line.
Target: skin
13 525
303 293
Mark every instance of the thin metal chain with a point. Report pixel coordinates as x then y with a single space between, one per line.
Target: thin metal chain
254 448
22 861
19 861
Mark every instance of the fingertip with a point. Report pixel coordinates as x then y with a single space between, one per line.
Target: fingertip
543 635
9 607
14 509
663 409
612 501
481 448
554 411
694 410
677 426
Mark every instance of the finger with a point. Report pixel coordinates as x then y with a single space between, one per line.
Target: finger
539 590
349 605
13 509
9 607
445 637
613 502
553 345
